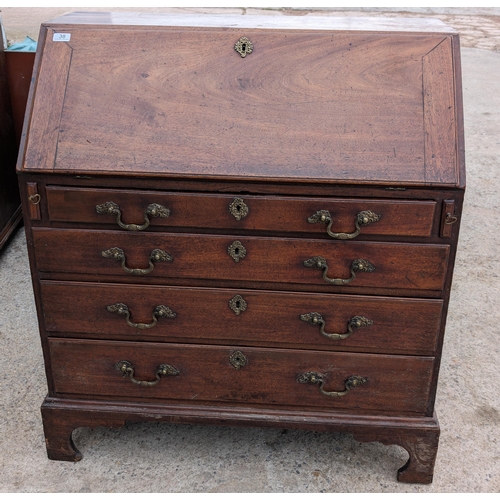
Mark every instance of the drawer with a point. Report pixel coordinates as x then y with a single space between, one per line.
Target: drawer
250 259
261 213
257 376
247 317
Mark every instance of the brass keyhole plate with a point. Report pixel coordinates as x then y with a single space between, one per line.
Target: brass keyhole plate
237 251
238 359
238 304
238 209
243 46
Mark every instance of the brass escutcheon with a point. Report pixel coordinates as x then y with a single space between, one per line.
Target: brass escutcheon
316 378
238 359
238 304
243 46
237 251
238 209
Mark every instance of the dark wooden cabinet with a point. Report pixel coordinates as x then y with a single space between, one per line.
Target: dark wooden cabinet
244 221
10 204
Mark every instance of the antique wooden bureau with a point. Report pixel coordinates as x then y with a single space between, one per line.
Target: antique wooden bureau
244 220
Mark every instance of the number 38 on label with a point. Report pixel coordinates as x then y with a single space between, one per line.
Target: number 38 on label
61 37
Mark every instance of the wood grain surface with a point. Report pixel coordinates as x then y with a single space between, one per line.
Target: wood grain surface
418 435
269 213
269 319
395 383
274 260
303 106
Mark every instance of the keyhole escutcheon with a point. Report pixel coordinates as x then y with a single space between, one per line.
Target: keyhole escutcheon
238 209
243 46
238 304
237 251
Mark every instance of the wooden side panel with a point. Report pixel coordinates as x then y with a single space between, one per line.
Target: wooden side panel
19 72
10 205
394 383
34 199
441 162
44 126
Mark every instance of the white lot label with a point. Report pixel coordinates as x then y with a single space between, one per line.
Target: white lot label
61 37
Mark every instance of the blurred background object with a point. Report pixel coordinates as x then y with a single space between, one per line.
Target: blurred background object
10 205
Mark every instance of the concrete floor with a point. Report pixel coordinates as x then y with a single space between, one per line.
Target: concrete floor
152 457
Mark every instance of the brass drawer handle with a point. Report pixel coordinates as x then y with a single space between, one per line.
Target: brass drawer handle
153 210
160 311
127 369
362 219
358 265
315 318
156 256
315 378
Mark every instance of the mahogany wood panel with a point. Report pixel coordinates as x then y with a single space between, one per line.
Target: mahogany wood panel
10 205
46 106
241 187
419 436
34 199
19 72
439 115
272 260
395 383
282 214
448 218
270 318
303 106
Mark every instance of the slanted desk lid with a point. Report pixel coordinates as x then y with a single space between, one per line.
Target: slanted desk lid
321 105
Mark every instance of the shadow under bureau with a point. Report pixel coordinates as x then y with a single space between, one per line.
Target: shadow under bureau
244 221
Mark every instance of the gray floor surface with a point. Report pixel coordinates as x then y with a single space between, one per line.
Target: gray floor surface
152 457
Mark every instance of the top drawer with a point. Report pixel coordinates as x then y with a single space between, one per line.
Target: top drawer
342 218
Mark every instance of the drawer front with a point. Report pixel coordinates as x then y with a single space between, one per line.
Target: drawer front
274 260
277 214
242 317
264 376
